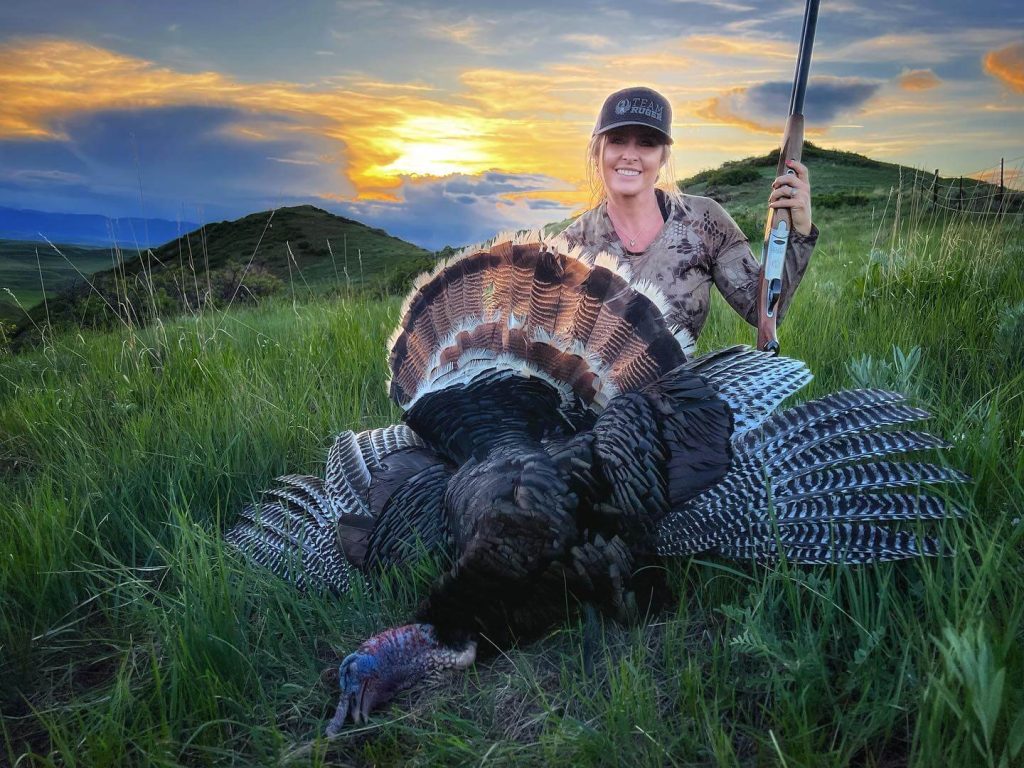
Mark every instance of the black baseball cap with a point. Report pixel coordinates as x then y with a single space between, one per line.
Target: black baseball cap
636 106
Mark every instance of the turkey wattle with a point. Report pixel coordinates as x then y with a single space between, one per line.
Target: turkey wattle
556 438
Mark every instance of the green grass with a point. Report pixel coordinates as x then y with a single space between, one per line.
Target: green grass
300 251
843 180
129 635
28 279
325 249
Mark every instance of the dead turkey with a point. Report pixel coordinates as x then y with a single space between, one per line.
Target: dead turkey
556 438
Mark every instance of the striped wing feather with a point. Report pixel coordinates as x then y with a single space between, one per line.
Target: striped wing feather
812 484
313 532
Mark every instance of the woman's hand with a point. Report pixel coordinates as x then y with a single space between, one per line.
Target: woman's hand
793 191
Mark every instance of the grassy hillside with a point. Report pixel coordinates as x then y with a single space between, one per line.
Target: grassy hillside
369 255
845 181
26 278
9 310
297 250
129 635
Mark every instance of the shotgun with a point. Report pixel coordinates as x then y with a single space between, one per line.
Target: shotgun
780 222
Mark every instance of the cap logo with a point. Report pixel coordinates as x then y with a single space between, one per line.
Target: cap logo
640 106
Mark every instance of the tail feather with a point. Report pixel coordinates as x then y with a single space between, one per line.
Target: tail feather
545 291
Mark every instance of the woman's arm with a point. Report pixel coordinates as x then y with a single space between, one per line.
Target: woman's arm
735 270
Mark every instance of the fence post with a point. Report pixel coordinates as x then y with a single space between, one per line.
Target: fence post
960 199
1002 188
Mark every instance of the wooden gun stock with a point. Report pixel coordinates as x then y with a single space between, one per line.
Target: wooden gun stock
776 240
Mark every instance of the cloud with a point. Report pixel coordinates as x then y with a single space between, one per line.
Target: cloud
154 161
592 42
734 7
492 136
460 209
468 32
47 177
919 47
918 80
764 107
524 122
397 131
1007 65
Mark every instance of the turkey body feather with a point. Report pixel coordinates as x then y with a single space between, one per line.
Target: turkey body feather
556 438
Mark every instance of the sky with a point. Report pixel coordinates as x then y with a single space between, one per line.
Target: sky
446 122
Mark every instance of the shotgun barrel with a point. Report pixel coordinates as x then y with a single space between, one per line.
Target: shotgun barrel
779 222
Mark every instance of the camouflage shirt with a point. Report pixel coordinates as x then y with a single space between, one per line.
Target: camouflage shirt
698 245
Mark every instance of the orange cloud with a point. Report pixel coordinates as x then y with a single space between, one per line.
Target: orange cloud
519 122
388 132
727 110
918 80
742 47
1007 65
1013 178
717 110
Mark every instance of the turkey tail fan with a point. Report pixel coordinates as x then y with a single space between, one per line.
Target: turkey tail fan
315 532
813 485
533 307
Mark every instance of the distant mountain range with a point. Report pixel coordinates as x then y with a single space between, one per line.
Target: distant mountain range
89 229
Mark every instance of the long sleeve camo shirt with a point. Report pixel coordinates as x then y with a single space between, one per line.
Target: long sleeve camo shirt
698 245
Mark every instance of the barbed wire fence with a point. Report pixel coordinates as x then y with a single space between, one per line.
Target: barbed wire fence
994 191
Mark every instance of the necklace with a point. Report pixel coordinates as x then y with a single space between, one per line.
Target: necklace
632 239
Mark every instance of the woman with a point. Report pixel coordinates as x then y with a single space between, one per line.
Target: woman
681 243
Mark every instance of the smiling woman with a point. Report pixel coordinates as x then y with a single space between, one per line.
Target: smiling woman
683 244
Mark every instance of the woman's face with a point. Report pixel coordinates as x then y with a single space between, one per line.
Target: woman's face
632 157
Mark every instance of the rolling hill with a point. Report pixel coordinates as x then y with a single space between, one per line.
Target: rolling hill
27 268
841 180
303 249
324 248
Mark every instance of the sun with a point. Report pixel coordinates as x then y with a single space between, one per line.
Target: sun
438 146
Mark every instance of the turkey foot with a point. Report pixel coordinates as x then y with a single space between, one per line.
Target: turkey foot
390 663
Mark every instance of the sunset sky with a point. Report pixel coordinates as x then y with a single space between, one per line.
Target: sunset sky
444 122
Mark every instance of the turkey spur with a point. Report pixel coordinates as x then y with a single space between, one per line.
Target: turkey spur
557 439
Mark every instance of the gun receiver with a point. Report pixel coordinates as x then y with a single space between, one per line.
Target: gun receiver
776 239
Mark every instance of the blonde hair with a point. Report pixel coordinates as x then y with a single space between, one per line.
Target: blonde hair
598 194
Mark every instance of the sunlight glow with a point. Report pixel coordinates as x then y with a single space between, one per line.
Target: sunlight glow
437 146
